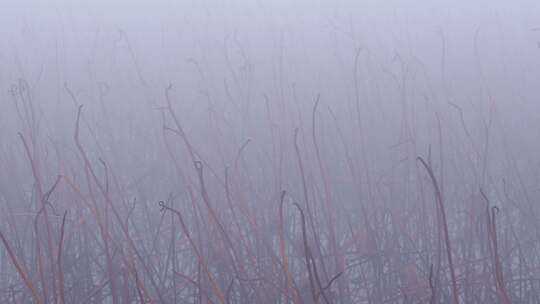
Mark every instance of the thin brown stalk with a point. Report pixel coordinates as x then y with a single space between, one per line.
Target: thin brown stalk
439 201
215 288
492 233
59 261
22 272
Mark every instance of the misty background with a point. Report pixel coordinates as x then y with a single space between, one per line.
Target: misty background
368 85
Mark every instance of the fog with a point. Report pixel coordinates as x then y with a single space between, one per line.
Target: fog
269 152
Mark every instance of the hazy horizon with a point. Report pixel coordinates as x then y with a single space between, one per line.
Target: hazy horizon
169 152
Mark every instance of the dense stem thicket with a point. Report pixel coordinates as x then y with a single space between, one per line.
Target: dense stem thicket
290 169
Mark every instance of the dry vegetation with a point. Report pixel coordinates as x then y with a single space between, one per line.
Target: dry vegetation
379 181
